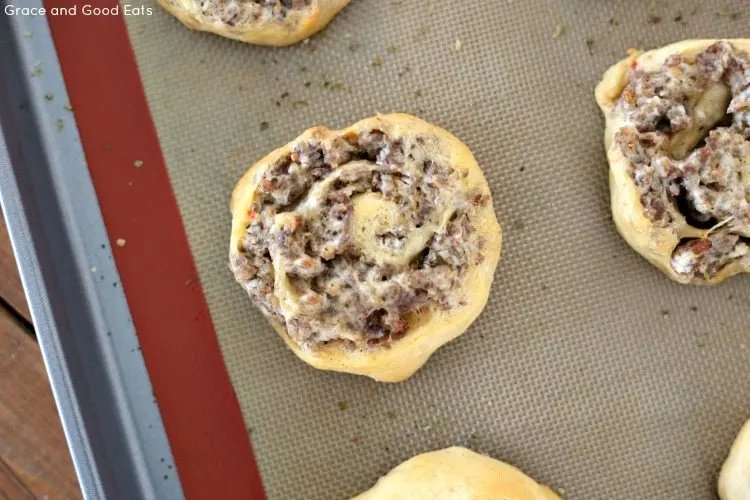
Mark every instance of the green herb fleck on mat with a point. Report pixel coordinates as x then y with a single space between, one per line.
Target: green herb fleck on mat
303 69
299 104
396 2
430 8
392 49
264 126
138 163
418 93
558 32
614 22
37 70
49 96
28 33
519 225
338 86
724 12
590 44
377 61
60 124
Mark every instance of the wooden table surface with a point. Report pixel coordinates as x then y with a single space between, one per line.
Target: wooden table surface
34 458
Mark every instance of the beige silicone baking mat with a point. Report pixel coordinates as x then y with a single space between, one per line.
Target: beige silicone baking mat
588 369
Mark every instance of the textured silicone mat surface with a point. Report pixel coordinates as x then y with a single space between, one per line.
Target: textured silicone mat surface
588 369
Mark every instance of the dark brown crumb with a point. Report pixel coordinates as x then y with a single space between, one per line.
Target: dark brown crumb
614 22
343 405
285 95
391 414
694 308
590 44
521 169
354 46
355 440
263 126
653 19
665 312
678 17
307 84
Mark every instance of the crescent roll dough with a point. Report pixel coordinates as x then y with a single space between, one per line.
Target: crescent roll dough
262 22
456 474
367 248
734 478
678 144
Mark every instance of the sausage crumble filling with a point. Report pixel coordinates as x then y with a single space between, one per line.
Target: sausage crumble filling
301 233
687 137
242 12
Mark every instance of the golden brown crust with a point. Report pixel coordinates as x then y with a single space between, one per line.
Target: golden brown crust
295 27
734 478
431 328
654 243
456 474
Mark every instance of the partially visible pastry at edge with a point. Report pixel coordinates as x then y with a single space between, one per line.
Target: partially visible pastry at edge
262 22
734 478
367 248
456 474
678 144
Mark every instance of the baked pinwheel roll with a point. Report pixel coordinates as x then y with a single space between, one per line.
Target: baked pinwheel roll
262 22
734 478
367 248
456 474
678 145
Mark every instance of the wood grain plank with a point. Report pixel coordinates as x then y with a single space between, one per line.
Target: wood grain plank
11 290
11 486
32 443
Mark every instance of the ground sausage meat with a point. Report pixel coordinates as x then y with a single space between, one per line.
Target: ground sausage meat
301 226
684 160
244 12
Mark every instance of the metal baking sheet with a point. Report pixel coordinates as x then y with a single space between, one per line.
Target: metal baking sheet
588 369
83 324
